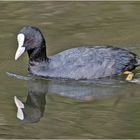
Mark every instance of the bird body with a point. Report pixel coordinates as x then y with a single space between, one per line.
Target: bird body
87 62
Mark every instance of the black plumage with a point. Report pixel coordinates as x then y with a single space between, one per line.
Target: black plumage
86 62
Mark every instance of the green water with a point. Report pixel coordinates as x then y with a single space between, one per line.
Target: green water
60 109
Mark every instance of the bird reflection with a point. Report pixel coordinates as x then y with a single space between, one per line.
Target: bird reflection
33 108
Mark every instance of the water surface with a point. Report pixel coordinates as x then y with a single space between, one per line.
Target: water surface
108 108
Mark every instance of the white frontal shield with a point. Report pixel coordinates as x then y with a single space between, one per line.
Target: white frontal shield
21 49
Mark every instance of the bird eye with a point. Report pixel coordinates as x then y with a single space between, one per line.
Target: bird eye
29 40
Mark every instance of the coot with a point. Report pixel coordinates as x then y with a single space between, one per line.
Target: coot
86 62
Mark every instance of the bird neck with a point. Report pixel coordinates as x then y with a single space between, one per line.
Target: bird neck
37 55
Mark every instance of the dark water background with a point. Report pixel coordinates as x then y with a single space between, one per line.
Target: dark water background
109 108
